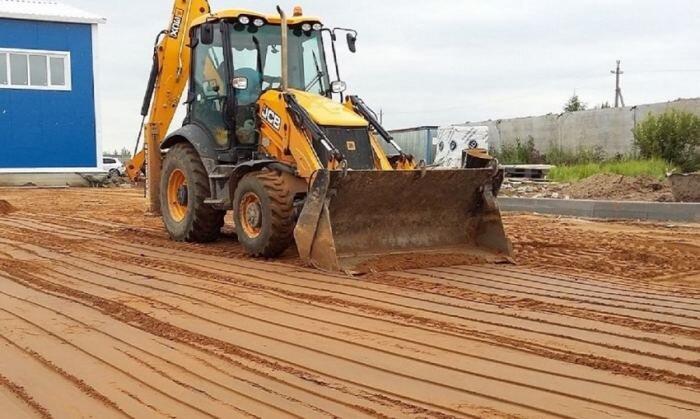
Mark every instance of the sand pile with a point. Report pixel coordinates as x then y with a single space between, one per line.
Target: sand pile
618 187
6 207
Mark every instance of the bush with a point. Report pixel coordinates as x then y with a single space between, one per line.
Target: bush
517 152
559 156
673 136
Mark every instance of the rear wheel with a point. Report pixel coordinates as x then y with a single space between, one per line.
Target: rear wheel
184 186
263 210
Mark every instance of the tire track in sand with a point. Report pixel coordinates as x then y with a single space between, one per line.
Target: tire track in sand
505 381
198 274
149 355
156 327
21 393
518 283
640 325
193 269
204 302
54 287
83 388
602 315
103 272
578 283
653 375
184 406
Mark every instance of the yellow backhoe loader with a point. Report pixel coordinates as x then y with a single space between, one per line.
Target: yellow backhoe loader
269 135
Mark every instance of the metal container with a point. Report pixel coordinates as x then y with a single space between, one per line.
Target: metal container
417 141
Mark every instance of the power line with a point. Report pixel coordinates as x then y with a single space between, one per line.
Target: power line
671 70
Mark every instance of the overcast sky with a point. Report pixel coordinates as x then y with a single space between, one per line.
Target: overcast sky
449 61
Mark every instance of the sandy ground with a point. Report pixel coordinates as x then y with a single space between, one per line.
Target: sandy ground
102 316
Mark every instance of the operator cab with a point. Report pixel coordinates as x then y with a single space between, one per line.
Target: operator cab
236 57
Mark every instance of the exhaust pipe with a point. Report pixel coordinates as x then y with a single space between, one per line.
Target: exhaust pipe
285 49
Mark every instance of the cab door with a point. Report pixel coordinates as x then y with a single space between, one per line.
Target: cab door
209 87
248 44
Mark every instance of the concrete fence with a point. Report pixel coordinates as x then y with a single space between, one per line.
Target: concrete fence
610 129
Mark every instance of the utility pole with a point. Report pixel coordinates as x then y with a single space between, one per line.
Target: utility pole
618 91
381 117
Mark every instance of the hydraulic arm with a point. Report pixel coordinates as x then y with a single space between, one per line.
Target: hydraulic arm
169 75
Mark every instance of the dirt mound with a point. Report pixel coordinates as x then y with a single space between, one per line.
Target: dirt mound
6 207
618 187
686 187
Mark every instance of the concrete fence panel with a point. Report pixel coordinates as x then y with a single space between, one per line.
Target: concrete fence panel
609 129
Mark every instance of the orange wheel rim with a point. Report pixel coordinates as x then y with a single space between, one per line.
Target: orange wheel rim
177 195
250 214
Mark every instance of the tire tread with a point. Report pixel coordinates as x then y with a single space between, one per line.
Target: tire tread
206 223
282 210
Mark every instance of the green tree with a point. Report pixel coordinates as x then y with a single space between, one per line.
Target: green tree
124 154
673 136
574 104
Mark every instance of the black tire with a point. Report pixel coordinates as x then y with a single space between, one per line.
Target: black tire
201 223
114 174
276 224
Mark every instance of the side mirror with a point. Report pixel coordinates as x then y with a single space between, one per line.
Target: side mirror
338 86
240 83
352 40
207 34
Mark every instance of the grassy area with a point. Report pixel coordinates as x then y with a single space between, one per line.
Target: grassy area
652 167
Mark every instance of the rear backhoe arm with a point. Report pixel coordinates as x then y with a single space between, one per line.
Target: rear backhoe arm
169 75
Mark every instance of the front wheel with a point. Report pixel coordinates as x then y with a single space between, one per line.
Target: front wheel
263 209
184 186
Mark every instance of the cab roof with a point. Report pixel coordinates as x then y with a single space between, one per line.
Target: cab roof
269 18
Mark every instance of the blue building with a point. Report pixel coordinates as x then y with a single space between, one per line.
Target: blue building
49 102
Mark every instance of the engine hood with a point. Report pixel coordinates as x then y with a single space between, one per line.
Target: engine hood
326 112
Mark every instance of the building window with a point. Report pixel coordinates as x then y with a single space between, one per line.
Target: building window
33 69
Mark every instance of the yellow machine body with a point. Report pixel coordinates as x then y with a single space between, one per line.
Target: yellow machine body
359 203
291 145
352 218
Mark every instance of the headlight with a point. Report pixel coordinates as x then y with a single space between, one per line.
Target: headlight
244 20
338 86
317 26
306 27
258 22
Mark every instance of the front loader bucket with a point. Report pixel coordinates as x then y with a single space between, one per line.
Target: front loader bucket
353 219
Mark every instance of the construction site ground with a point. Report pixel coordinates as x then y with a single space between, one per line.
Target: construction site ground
603 186
101 315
